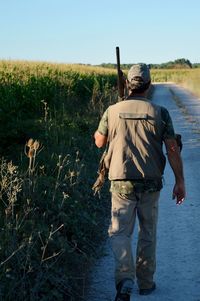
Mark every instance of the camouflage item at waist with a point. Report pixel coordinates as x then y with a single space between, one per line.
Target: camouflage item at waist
127 187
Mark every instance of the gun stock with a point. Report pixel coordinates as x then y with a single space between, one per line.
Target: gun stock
119 74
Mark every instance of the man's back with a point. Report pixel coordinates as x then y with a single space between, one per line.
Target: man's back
135 135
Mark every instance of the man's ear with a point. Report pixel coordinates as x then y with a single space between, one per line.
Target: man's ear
128 85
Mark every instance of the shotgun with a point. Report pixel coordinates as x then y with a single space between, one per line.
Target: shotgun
102 170
120 78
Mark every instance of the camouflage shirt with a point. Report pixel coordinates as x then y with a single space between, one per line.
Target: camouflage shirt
126 186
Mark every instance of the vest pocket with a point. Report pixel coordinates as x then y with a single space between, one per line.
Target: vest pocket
133 116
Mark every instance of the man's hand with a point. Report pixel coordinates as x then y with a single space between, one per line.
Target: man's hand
173 153
179 192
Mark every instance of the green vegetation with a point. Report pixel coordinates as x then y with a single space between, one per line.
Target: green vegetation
26 88
177 64
51 224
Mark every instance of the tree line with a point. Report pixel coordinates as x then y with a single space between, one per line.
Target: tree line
176 64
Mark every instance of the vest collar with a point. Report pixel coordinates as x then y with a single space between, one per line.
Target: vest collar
137 98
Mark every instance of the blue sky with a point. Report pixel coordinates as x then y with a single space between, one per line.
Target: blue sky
87 31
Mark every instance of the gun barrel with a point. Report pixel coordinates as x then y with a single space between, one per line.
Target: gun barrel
118 59
119 74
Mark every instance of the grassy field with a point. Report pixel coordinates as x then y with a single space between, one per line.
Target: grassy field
187 78
50 221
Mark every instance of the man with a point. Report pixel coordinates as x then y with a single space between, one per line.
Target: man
136 129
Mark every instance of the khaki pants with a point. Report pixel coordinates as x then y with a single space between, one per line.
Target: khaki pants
125 208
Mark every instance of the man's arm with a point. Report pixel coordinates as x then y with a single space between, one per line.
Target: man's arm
176 164
100 140
101 135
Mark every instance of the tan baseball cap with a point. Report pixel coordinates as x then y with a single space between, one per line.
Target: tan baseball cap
139 74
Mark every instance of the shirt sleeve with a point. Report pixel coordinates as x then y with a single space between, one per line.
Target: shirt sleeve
103 124
168 125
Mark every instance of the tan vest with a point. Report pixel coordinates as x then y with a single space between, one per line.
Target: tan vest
135 136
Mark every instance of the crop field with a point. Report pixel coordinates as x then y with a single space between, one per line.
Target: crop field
188 78
50 221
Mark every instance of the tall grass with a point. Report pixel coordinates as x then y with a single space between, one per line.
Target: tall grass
26 87
188 78
50 222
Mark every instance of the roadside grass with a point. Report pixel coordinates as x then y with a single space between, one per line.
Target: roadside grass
187 78
51 224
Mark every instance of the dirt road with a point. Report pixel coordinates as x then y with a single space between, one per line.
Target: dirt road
178 247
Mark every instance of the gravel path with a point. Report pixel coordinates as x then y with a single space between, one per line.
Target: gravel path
178 248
